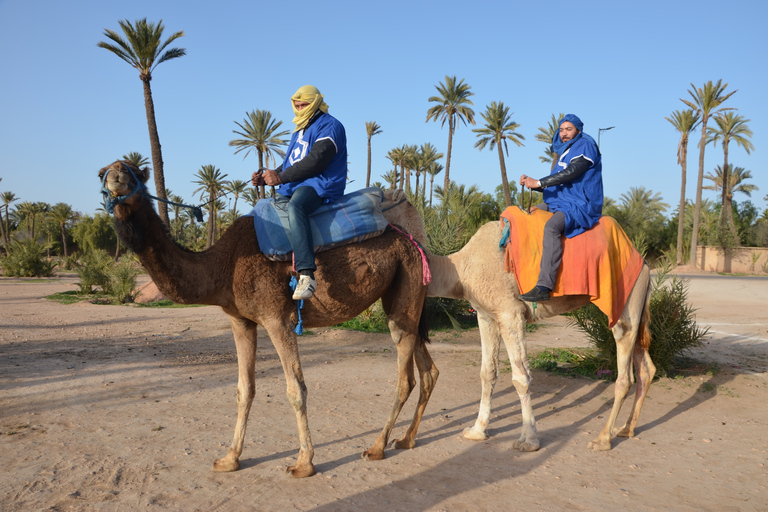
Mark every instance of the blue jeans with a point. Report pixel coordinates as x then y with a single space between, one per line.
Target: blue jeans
300 206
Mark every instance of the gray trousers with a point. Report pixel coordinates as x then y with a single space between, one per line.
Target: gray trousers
552 251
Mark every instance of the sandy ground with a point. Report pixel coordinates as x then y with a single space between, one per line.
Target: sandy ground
125 408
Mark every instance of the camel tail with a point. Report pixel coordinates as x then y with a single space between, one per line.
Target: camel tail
644 337
424 325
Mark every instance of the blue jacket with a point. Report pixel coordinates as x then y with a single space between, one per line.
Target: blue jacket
331 181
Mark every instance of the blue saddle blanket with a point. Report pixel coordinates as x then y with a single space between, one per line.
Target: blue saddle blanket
352 218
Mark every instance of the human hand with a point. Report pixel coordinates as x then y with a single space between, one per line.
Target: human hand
529 182
257 178
272 178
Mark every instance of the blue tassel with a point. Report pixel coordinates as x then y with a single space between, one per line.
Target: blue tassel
299 326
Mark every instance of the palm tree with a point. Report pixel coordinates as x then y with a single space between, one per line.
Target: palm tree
736 177
259 133
251 196
498 128
706 102
371 129
211 183
424 157
144 51
433 170
397 157
407 163
138 160
730 128
61 214
547 136
451 105
7 198
177 208
2 226
684 122
236 188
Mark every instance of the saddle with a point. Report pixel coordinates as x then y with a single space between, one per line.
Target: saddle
354 217
601 262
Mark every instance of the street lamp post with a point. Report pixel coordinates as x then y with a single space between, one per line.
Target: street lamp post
601 130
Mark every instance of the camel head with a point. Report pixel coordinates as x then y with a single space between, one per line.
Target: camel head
123 187
399 212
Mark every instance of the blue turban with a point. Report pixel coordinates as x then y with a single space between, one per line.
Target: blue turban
558 146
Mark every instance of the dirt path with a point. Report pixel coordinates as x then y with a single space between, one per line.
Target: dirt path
125 408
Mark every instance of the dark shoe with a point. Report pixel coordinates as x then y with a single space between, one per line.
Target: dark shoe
535 295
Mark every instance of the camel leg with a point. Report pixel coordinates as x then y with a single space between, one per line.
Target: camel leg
286 344
513 332
644 367
405 384
490 341
245 342
624 348
428 374
644 370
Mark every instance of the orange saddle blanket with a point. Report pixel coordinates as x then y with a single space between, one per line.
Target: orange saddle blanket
600 262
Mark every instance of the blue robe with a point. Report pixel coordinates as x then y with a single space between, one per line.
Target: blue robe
581 200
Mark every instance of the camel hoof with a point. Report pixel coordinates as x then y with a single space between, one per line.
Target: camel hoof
475 435
301 471
373 454
626 432
226 465
526 446
600 445
405 444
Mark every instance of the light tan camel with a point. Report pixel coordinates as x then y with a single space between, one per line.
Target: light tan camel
252 290
476 274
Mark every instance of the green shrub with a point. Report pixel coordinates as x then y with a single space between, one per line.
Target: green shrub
26 258
94 270
372 319
123 281
450 313
673 326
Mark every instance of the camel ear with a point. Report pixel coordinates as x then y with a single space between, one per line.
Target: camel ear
143 174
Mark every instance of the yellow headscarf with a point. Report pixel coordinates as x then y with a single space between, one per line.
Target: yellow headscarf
311 95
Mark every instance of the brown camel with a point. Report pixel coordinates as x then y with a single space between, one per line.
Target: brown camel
476 274
253 290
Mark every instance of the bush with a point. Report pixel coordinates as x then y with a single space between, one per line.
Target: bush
26 258
93 270
673 325
123 281
372 319
450 313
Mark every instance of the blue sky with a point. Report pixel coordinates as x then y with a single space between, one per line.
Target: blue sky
68 108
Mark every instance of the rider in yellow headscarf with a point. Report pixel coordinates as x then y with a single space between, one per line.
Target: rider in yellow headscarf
314 172
307 94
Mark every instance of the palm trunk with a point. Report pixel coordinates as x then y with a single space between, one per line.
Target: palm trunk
2 231
447 180
504 181
681 210
64 240
431 188
726 211
157 153
699 184
368 176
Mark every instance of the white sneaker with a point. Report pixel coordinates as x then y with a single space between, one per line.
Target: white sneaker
305 289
